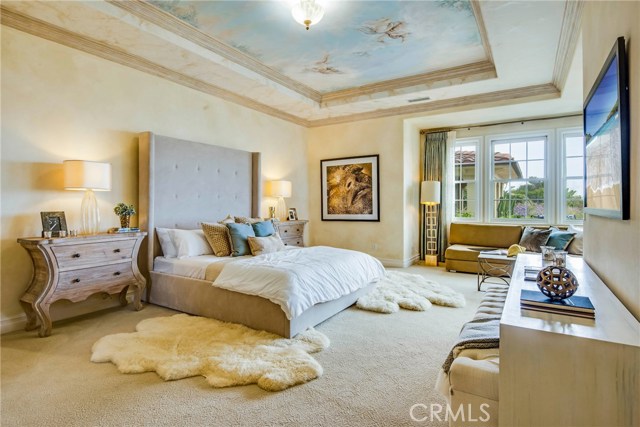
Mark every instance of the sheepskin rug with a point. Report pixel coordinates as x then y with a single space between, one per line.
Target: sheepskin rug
409 291
226 354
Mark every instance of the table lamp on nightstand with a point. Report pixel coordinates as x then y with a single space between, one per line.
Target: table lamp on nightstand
88 176
430 196
280 190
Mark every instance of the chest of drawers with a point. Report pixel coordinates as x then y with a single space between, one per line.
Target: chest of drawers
292 232
75 268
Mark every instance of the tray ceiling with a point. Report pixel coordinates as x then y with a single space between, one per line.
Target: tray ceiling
364 59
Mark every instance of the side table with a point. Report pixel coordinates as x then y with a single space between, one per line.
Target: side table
494 265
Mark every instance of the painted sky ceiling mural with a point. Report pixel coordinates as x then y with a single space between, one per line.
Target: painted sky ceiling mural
356 43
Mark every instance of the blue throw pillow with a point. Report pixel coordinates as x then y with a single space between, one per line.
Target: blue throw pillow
239 238
560 239
263 228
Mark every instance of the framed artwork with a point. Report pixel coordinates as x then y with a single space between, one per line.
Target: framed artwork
54 222
293 214
350 189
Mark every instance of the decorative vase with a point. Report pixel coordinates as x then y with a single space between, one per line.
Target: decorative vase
125 220
557 282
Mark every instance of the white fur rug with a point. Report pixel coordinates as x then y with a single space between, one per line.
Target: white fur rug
409 291
226 354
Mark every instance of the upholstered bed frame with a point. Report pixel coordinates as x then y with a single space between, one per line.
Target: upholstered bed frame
184 183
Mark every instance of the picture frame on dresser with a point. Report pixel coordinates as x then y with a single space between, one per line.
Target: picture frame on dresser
55 222
350 188
293 214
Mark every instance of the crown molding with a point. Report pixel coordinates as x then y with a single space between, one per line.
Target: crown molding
484 100
569 35
59 35
475 7
447 77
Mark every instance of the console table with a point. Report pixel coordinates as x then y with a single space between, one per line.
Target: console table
558 370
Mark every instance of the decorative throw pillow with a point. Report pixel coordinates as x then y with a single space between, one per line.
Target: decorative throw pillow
532 239
560 239
239 234
190 243
168 248
229 218
218 237
265 245
575 246
263 228
247 220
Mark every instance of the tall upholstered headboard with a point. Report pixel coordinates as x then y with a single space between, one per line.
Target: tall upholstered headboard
184 183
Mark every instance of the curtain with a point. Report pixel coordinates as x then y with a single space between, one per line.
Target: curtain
436 166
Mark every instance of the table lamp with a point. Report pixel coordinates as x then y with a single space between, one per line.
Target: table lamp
280 190
88 176
430 196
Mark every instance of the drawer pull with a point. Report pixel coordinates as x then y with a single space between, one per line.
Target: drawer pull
117 273
75 281
75 256
286 231
298 230
116 251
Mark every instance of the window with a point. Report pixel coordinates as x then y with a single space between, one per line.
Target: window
465 159
518 179
572 186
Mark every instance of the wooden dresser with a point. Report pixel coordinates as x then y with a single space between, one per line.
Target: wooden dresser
291 232
74 268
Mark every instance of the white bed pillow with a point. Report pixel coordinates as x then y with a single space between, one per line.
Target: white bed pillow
168 248
190 243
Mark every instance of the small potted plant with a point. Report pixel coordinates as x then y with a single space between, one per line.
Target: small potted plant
124 211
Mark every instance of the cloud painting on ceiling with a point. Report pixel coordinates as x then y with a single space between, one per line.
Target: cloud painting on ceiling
356 43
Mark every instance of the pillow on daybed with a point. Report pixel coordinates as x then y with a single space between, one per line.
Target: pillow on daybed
532 239
263 228
168 248
218 237
265 245
190 243
239 234
560 239
575 246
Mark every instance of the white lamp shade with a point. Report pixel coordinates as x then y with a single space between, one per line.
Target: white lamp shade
278 188
430 192
87 175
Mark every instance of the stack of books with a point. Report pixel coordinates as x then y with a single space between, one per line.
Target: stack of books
574 306
531 272
123 230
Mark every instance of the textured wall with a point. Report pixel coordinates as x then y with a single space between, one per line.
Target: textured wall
59 103
612 247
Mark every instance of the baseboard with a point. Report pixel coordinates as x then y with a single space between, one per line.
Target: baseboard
13 324
398 263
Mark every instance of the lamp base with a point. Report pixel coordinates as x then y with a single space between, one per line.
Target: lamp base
90 213
281 210
431 260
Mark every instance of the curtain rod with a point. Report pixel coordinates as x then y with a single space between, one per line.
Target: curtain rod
521 121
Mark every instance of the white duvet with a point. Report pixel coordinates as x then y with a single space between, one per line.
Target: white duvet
299 279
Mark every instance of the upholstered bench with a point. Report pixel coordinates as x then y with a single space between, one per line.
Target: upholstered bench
473 378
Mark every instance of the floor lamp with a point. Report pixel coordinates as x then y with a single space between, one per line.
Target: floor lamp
430 196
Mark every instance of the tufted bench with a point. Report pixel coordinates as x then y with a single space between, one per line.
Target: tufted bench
472 382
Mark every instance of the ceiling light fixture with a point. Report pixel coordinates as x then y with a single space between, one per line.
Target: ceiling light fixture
307 12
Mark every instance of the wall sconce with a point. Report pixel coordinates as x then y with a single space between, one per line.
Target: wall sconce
280 190
88 176
430 196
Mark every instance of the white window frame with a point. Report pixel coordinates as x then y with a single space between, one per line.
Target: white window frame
549 206
477 143
562 135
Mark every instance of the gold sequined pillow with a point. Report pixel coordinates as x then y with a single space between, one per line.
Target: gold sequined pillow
218 237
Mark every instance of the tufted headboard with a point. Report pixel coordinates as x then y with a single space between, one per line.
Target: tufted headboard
184 183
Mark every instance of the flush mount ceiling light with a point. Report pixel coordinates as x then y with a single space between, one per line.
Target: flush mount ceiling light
307 12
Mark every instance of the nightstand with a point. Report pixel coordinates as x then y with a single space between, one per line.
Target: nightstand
291 232
74 268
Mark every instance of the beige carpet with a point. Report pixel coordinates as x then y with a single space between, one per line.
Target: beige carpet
377 367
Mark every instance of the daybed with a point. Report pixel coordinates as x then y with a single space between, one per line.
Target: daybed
184 183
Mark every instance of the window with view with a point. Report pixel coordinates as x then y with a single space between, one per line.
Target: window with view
518 179
466 179
573 177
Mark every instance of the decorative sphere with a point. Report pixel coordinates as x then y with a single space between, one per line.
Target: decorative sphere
557 282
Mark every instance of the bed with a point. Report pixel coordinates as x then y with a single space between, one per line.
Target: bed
181 184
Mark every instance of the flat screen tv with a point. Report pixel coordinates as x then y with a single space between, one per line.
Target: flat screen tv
607 140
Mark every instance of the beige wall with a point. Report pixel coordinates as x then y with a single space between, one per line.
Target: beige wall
612 247
59 103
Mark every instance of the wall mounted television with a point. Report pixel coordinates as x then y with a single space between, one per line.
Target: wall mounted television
607 139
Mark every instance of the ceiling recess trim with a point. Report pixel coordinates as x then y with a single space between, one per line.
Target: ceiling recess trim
67 38
569 35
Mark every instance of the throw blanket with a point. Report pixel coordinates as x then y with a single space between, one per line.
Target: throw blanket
298 279
478 333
